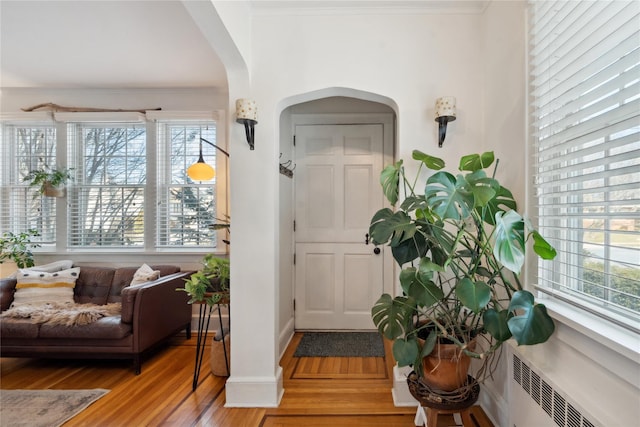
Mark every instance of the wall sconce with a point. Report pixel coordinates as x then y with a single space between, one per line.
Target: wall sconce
445 113
247 114
200 171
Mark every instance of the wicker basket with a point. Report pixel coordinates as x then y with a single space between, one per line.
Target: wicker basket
461 398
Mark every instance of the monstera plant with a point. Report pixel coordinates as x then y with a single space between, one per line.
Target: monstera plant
461 245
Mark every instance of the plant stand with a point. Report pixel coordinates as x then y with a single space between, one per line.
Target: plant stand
432 403
204 318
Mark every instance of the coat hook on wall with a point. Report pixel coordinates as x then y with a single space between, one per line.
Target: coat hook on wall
286 169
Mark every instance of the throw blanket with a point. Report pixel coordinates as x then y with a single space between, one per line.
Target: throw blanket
63 314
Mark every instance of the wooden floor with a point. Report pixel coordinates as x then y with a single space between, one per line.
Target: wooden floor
319 392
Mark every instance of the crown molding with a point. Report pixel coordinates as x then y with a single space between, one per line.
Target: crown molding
379 7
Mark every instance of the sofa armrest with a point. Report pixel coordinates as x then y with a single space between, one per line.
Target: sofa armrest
156 309
7 289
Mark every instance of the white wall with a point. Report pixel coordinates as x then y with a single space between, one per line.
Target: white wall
504 128
193 99
296 56
593 371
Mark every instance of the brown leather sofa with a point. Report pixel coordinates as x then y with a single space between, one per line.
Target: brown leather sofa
151 313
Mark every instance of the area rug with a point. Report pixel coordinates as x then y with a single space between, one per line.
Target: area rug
340 344
44 408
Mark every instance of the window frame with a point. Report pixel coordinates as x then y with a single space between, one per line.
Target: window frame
61 120
596 320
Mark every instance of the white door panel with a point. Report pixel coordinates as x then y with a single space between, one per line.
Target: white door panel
342 282
337 191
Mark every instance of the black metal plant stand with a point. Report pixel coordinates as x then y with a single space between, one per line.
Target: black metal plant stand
204 318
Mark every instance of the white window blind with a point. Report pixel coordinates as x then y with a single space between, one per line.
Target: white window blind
186 209
27 147
106 203
585 113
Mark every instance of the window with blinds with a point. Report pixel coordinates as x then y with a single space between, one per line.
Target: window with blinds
584 96
108 199
186 209
27 148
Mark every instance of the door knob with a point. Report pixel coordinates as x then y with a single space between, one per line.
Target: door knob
366 239
376 251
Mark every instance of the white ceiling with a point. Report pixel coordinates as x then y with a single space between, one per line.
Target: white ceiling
104 44
142 43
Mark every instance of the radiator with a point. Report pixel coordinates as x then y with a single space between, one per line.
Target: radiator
537 402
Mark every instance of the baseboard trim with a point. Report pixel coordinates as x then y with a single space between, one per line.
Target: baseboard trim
285 336
400 392
254 392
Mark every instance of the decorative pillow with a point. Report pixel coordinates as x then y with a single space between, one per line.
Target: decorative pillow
39 287
145 274
53 266
49 268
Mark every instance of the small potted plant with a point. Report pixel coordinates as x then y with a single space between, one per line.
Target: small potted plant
460 245
211 284
16 249
50 182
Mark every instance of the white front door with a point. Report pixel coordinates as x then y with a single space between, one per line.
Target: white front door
338 277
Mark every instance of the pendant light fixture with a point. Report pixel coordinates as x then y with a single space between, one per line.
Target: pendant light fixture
200 171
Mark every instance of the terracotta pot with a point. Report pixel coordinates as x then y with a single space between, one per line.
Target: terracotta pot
50 190
446 367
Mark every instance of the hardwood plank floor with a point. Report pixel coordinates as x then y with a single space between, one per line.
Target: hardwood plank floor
318 391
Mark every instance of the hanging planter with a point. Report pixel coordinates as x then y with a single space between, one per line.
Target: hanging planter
50 182
50 190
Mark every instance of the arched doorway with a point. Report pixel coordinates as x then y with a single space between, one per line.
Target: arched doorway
341 145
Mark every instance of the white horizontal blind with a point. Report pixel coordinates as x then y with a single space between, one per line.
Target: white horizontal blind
27 147
585 114
186 209
106 204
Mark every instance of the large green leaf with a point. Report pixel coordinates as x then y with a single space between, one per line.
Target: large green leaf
448 196
495 322
413 202
431 162
426 269
473 295
407 277
388 225
474 162
429 344
390 315
481 187
509 240
411 249
390 180
531 324
424 292
542 247
502 201
405 352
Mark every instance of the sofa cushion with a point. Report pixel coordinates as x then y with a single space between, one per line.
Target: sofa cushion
18 328
124 275
105 328
52 267
121 279
94 284
39 287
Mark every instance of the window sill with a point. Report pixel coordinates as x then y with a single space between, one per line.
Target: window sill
615 338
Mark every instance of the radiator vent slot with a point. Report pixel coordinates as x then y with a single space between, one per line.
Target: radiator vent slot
563 413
